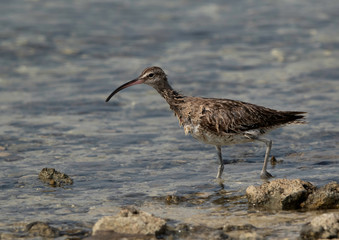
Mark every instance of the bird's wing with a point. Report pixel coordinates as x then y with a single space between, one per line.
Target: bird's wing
228 116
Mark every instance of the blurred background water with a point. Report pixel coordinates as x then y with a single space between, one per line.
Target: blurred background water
60 60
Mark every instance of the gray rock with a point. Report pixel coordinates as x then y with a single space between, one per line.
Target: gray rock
42 229
131 221
279 194
325 226
326 197
54 178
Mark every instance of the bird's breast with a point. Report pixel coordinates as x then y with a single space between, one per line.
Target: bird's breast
208 137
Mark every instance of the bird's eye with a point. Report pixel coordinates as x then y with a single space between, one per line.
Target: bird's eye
151 75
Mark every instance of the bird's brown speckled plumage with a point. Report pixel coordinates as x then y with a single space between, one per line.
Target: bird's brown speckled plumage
217 121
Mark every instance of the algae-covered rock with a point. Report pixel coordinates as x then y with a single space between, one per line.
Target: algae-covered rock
54 178
42 229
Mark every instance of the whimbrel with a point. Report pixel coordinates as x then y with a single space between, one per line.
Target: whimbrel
215 121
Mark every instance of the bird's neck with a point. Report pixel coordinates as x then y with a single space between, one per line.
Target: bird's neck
172 97
169 94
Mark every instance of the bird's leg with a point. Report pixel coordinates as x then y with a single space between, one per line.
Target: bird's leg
221 162
264 174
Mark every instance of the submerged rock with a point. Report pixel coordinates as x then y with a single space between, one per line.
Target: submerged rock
42 229
280 194
130 221
326 197
54 178
246 231
245 227
325 226
190 232
173 199
111 235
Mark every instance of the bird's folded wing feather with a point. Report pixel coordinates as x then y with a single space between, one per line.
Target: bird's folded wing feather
228 116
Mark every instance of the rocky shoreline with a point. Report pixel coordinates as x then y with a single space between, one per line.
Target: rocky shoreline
61 59
132 223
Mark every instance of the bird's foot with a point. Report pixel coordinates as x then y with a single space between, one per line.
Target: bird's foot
265 175
220 182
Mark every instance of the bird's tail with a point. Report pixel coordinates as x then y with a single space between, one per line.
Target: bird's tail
295 117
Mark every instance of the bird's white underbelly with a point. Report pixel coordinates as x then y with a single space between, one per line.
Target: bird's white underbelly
208 137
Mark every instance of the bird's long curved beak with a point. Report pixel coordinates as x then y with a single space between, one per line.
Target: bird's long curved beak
126 85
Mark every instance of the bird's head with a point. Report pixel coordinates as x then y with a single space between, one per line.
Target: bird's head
152 76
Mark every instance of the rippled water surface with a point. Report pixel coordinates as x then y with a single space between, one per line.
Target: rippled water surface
60 60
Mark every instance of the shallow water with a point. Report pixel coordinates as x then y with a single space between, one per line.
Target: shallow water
61 59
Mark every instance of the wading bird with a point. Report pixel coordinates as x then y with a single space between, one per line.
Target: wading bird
217 121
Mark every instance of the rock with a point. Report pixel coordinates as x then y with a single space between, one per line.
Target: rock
42 229
278 54
54 178
190 232
326 197
274 161
325 226
131 221
111 235
173 199
246 227
180 231
246 231
280 194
